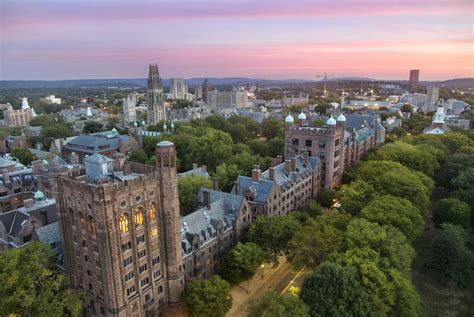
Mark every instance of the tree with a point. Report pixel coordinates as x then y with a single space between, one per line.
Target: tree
335 290
372 278
210 297
31 286
188 188
407 300
273 234
258 147
54 131
273 128
276 146
313 243
397 212
388 241
137 156
355 196
467 196
452 168
92 127
452 210
227 174
408 155
313 209
448 258
241 262
407 108
24 156
325 197
272 305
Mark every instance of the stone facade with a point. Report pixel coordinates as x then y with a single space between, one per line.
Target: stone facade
156 105
17 118
284 187
121 233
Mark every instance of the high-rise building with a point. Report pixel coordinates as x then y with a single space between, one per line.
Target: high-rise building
433 96
156 105
236 98
413 82
178 89
121 229
204 90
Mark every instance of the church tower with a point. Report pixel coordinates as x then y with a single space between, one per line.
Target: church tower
156 106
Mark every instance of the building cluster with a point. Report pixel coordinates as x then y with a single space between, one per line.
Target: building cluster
17 117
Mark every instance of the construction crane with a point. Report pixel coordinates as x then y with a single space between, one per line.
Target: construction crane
325 82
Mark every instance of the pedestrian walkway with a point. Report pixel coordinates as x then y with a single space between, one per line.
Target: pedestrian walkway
266 279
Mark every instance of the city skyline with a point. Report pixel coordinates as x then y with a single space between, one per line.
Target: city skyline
259 39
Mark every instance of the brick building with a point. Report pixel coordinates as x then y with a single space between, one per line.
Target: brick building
284 187
337 144
121 233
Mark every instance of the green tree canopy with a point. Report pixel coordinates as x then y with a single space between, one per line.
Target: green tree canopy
273 128
397 212
448 257
274 305
388 241
355 196
407 301
325 197
137 156
454 167
92 127
335 290
313 243
241 262
210 297
30 285
273 234
188 188
23 155
452 210
227 174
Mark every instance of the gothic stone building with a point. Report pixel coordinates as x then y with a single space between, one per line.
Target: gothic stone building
121 231
284 187
336 144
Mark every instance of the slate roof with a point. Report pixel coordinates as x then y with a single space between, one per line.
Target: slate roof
23 177
204 221
283 180
198 171
95 143
49 234
356 121
261 189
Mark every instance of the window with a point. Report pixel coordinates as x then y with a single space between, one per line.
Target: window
148 298
154 232
127 261
141 254
102 310
309 143
322 144
337 153
126 246
336 143
141 239
92 224
296 142
128 276
17 190
321 155
82 220
27 238
131 291
156 274
123 223
156 260
144 282
152 211
138 217
160 289
142 268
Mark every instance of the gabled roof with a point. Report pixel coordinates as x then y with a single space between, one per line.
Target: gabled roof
302 168
260 189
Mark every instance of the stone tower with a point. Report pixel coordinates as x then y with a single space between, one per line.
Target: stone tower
169 213
121 229
205 90
156 106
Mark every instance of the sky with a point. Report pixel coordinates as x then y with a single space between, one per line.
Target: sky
273 39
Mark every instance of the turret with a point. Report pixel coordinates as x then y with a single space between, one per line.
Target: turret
171 240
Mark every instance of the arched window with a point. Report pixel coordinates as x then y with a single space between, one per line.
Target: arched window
82 220
138 216
92 224
123 223
152 211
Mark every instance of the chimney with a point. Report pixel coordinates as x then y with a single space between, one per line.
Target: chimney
273 162
61 144
195 166
271 173
287 166
279 159
215 184
306 156
256 173
204 168
237 187
127 169
206 196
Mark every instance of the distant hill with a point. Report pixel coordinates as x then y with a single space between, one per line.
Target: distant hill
460 83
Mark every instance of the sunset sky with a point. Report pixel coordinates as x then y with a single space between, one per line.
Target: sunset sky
71 39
